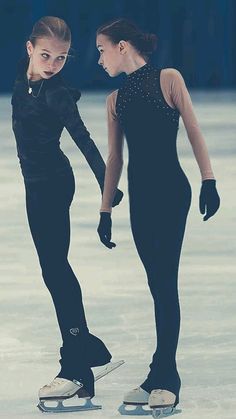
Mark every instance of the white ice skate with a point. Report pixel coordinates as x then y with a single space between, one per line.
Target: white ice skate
61 389
162 403
137 398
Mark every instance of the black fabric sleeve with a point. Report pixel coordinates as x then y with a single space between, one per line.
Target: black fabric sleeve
63 102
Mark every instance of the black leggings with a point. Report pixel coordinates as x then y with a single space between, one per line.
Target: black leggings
48 204
158 218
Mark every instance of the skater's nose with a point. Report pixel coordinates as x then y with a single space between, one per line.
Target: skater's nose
52 66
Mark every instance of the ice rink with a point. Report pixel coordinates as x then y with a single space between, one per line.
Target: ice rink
118 304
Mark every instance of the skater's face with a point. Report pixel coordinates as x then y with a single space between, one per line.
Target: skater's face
47 57
111 55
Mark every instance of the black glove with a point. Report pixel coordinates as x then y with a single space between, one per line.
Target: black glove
209 200
104 229
117 198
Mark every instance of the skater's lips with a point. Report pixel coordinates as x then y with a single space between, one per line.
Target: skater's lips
48 73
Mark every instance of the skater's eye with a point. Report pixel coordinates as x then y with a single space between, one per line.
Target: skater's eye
44 55
61 58
101 51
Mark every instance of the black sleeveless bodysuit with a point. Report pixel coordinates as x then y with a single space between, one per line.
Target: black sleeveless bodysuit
160 197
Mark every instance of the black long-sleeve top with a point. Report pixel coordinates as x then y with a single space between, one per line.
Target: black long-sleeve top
38 122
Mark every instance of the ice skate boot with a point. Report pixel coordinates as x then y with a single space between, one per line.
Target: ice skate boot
137 398
61 389
162 403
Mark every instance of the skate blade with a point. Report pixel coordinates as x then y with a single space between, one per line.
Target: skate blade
134 410
164 412
111 366
61 408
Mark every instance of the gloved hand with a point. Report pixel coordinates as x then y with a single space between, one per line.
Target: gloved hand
104 229
209 200
117 198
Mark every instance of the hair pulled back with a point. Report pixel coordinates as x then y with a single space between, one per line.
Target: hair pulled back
50 27
124 29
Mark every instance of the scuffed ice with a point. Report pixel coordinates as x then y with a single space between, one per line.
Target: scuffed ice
118 304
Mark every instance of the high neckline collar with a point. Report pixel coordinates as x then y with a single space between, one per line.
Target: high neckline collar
141 70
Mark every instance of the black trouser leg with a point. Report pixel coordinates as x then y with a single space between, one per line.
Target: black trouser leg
158 232
48 205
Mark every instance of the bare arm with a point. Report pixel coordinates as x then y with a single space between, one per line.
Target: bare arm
115 155
177 96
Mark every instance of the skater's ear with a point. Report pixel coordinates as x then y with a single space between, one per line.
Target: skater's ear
123 47
30 48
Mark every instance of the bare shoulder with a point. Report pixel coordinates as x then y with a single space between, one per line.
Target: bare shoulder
171 74
111 104
111 98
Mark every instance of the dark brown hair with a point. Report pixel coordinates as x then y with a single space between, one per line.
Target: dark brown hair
50 27
123 29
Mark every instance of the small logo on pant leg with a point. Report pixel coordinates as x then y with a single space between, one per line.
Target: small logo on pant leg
74 331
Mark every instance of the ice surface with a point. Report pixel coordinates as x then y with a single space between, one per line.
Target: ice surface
118 304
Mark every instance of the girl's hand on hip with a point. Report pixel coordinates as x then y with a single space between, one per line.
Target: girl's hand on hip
209 200
104 229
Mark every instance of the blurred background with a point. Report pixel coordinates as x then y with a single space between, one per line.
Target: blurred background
196 37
